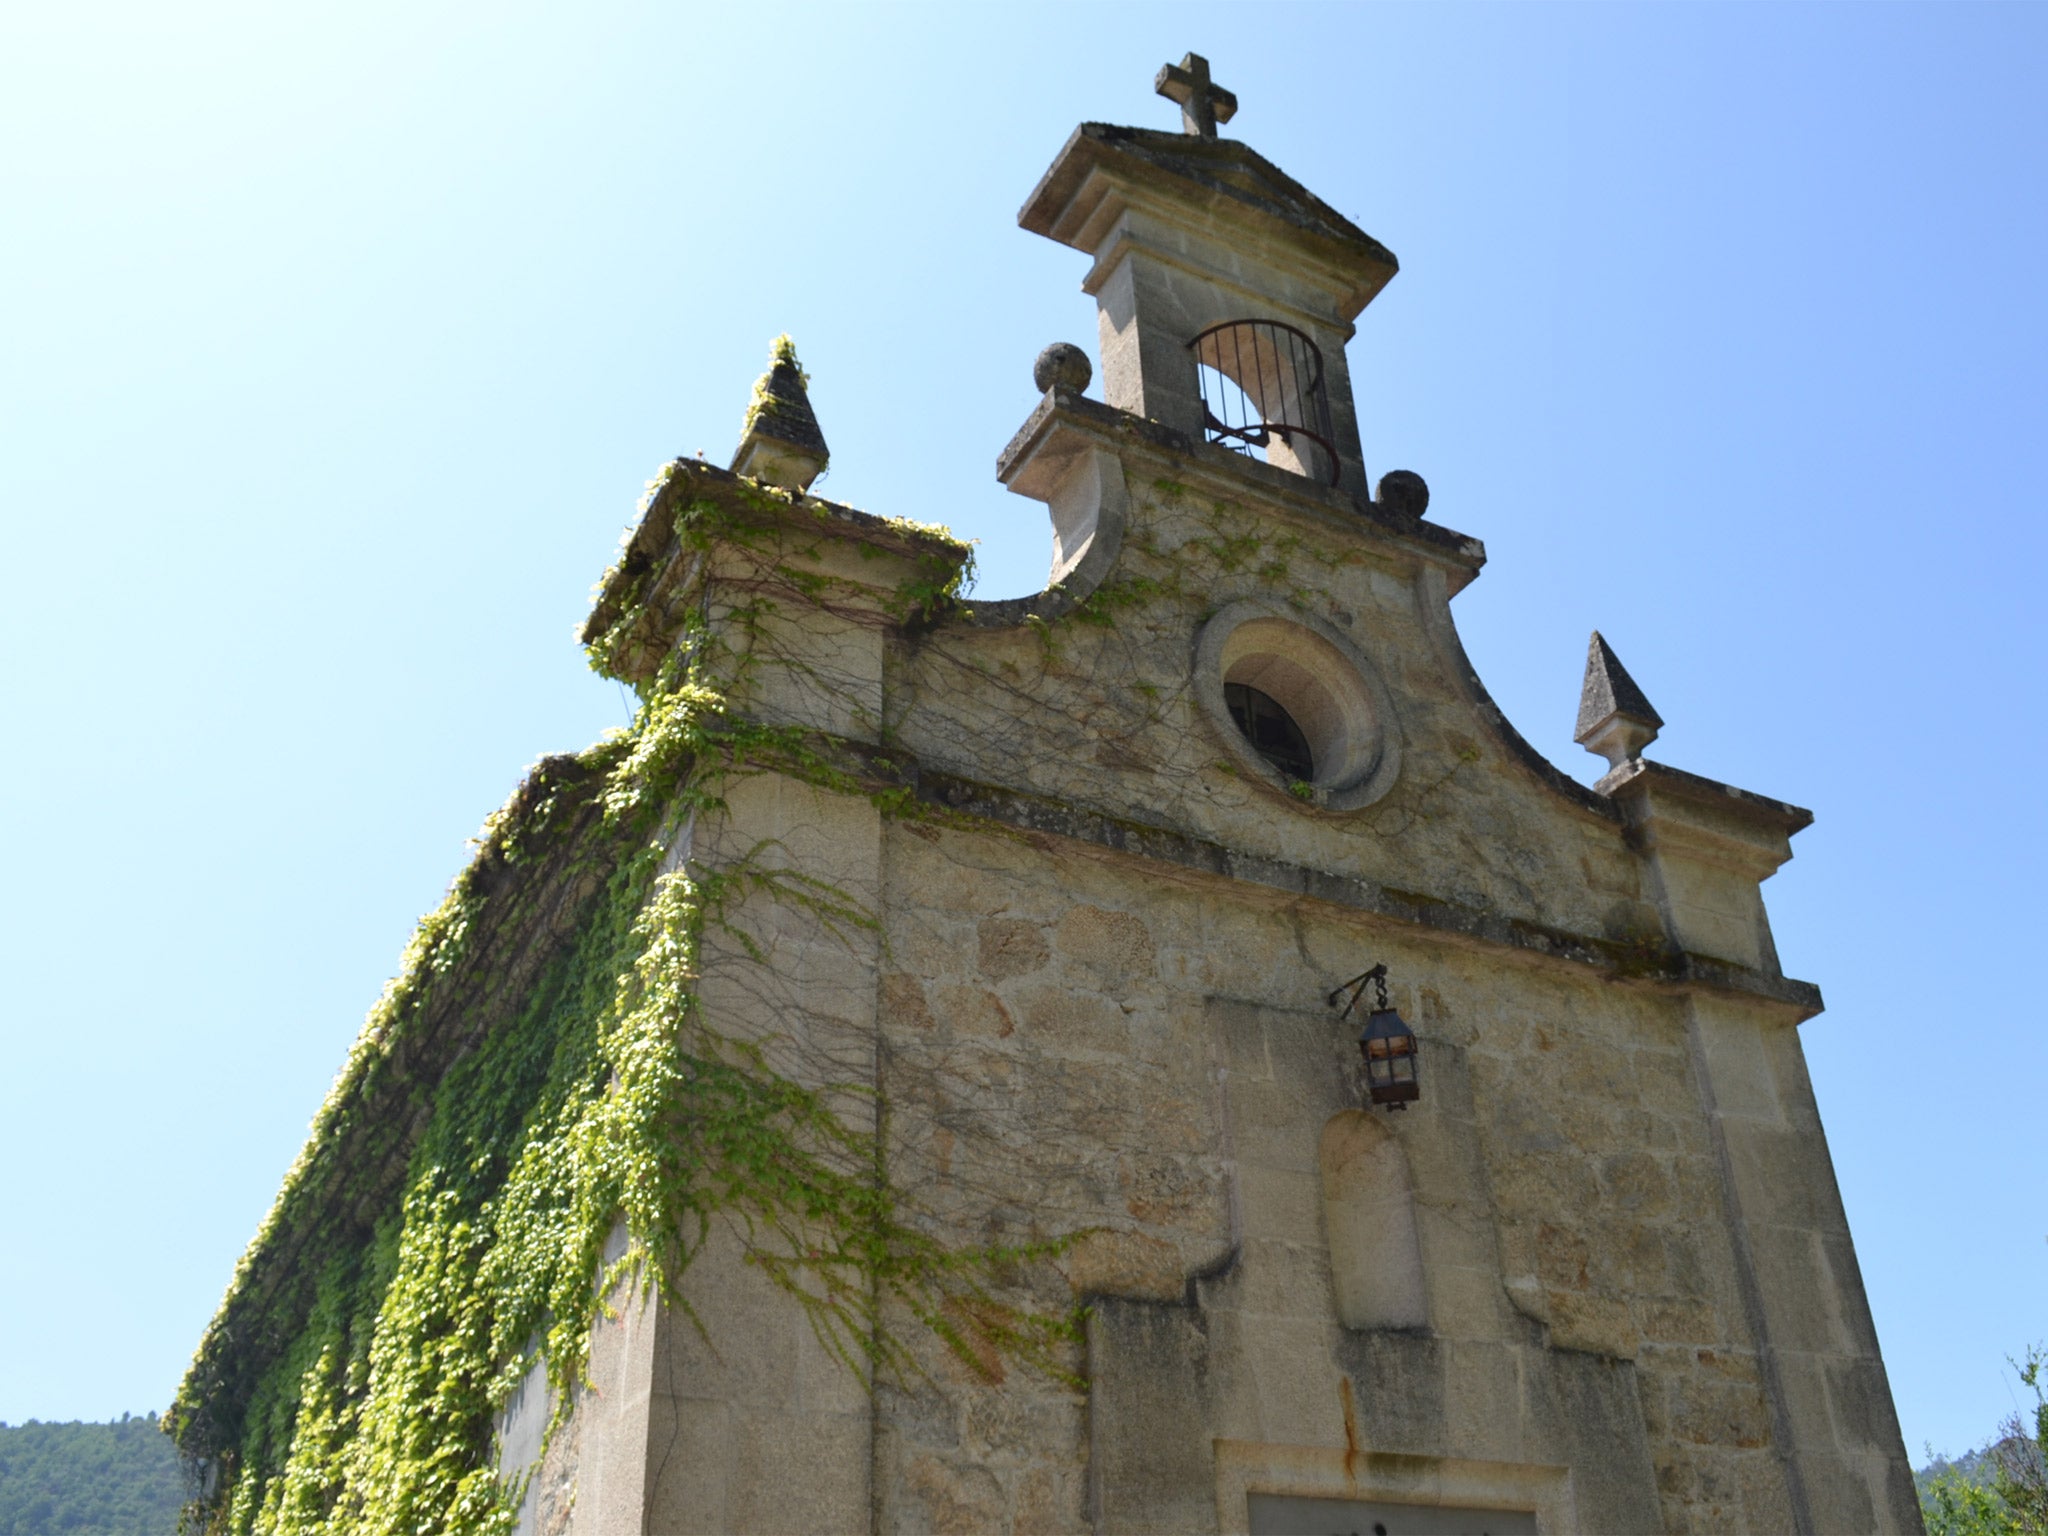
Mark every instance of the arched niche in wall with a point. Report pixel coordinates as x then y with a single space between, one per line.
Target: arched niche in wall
1369 1217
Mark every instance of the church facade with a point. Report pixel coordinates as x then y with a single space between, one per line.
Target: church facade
1397 1134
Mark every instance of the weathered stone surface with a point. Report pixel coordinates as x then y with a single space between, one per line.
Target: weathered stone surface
1404 493
1062 366
1107 1262
781 443
1614 717
901 999
1010 947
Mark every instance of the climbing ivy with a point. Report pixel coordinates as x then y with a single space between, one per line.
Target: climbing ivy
609 1101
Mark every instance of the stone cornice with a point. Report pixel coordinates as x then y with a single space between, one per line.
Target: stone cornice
1724 800
1621 962
1223 177
1041 816
653 565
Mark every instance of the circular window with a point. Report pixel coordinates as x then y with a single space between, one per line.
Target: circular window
1297 705
1270 729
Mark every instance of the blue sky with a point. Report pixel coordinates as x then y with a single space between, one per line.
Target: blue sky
336 343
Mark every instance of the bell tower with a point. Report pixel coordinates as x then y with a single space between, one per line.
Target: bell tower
1225 289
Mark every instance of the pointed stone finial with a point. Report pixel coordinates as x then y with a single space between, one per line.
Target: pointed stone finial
1203 103
780 441
1615 720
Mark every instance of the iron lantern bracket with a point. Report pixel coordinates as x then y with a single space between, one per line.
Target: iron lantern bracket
1356 986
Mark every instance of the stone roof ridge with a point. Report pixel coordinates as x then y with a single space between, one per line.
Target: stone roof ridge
1226 166
1609 691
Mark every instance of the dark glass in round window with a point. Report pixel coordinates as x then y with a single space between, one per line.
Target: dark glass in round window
1270 729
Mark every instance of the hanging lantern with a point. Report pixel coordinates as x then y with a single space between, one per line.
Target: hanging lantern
1386 1042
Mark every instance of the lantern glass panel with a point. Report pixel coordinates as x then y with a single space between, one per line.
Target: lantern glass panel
1388 1046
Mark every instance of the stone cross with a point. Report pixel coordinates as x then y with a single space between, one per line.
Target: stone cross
1203 104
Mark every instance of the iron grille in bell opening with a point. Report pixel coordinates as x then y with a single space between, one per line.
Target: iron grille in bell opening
1262 394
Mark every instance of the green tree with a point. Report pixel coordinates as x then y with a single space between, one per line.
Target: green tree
1953 1504
2003 1489
2020 1459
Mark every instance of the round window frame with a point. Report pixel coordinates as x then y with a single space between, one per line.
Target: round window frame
1365 734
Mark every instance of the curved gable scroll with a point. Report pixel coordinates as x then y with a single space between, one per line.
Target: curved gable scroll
1369 1218
1081 481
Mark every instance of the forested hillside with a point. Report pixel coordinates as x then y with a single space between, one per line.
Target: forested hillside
118 1479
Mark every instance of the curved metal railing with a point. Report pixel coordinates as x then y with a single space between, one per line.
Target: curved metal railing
1261 383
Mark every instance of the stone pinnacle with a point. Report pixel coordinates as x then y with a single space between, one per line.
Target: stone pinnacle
780 440
1615 719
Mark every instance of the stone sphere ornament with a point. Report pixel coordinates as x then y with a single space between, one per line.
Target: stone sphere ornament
1404 493
1063 364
